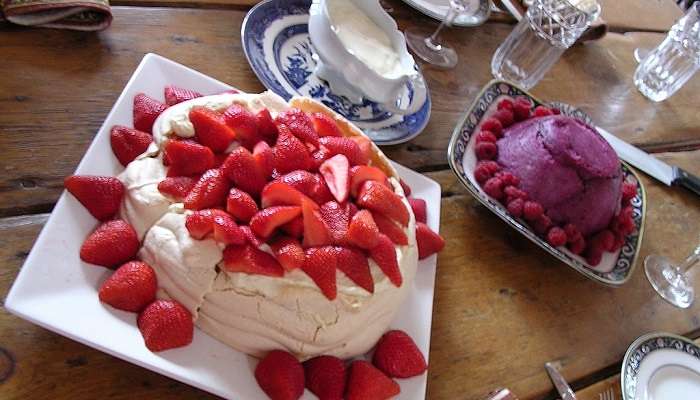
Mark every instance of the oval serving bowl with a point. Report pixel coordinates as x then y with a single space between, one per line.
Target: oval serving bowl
615 268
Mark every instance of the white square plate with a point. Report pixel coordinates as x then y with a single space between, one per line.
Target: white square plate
58 291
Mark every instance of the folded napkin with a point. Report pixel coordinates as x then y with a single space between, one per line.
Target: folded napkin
82 15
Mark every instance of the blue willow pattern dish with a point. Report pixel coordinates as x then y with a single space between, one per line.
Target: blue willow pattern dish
626 260
276 43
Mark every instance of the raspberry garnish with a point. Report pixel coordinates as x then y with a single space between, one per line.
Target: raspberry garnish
505 116
494 126
505 104
629 190
578 246
494 188
486 151
482 174
572 233
486 136
515 207
508 178
521 109
556 111
542 111
513 193
542 224
532 210
556 236
594 255
492 166
605 239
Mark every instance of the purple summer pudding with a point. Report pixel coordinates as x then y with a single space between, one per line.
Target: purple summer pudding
566 166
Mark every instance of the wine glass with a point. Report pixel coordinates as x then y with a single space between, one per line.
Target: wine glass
429 48
671 281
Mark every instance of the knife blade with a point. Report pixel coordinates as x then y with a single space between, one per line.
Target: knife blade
670 175
562 387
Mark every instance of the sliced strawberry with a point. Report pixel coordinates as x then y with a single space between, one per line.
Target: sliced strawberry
318 157
128 143
391 229
353 263
201 223
113 243
176 187
175 95
299 125
280 376
288 252
250 260
379 198
366 382
241 205
361 173
211 129
325 125
429 242
365 146
384 254
146 110
165 324
241 168
405 187
294 228
336 173
319 265
278 194
244 123
419 209
267 220
187 158
226 231
345 146
100 195
315 230
250 236
398 356
265 157
131 287
307 183
363 231
266 126
209 191
337 219
290 153
325 377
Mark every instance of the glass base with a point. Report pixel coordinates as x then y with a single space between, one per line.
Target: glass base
432 53
669 281
640 54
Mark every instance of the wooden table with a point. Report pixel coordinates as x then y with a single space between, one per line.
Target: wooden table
502 306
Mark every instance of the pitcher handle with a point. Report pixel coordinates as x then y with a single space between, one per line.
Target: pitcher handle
419 92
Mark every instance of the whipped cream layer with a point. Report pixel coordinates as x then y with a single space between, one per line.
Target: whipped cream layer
143 203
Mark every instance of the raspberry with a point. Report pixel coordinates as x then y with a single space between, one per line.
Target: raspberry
556 111
515 207
482 173
486 151
532 210
577 246
606 239
521 109
506 117
625 221
542 224
542 111
572 233
492 166
505 103
619 242
513 193
629 190
494 188
486 136
494 126
556 236
593 253
508 178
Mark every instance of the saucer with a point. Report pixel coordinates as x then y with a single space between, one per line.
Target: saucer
276 43
437 9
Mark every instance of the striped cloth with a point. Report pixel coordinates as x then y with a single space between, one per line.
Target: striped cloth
82 15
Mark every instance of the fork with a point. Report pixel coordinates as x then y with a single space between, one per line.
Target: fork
608 394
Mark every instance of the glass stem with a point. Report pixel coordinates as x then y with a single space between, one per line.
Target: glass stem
432 41
691 261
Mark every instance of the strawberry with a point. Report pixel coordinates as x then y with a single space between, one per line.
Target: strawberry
325 125
315 230
384 254
210 191
175 95
325 377
278 193
429 242
307 183
353 263
267 220
361 173
363 232
398 356
365 382
211 129
176 187
128 143
201 223
165 324
266 127
295 227
241 169
345 146
319 265
288 252
226 231
241 205
280 376
100 195
131 287
113 243
299 125
336 173
250 260
419 209
337 218
365 146
318 157
244 123
379 198
290 153
187 158
405 187
230 91
264 157
250 236
146 110
390 228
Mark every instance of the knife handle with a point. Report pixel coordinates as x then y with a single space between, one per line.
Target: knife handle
687 180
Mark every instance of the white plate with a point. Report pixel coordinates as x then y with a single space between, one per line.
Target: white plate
661 366
438 9
58 291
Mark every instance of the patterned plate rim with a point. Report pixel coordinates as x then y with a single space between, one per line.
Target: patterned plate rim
484 13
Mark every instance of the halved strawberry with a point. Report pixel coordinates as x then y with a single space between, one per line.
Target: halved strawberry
363 231
318 157
379 198
100 195
398 356
265 157
355 266
268 219
319 265
345 146
325 125
241 168
248 259
146 110
325 377
165 324
336 173
384 254
429 242
405 187
280 376
250 236
128 143
294 228
187 158
175 95
359 174
266 127
299 124
209 191
211 129
367 382
244 123
176 187
315 230
337 219
279 194
201 223
290 152
390 228
309 184
226 231
365 146
113 243
131 287
288 252
419 209
241 205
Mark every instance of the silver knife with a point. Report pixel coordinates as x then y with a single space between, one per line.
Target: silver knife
670 175
562 387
